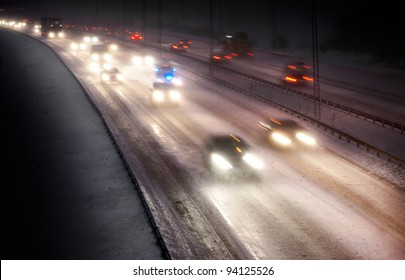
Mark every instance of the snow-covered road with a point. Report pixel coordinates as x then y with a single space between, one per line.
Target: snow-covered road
333 202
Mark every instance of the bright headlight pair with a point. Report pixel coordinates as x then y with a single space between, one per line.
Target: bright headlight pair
221 163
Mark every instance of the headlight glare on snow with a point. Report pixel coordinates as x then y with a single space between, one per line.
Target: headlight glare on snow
220 162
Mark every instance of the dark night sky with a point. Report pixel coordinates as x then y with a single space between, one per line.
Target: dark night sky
356 26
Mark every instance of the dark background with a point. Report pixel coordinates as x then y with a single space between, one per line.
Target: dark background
360 27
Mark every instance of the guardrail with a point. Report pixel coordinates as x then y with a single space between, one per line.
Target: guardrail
341 135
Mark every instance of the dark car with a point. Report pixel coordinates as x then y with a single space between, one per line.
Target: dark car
287 133
229 154
110 75
220 57
178 47
297 73
164 94
184 41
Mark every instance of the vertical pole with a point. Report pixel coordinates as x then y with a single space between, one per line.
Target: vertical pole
315 62
143 21
160 27
96 13
274 26
124 17
211 34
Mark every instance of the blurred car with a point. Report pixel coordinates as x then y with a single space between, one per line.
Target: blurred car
297 73
287 133
230 155
220 57
184 41
178 47
100 52
136 37
166 73
110 75
164 94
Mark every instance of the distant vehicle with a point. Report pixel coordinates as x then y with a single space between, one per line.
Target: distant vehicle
111 75
297 73
136 37
287 133
52 27
100 52
230 155
238 44
164 94
185 41
178 47
220 57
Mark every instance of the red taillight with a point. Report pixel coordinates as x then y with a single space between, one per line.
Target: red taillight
307 66
186 47
140 37
250 54
228 57
175 47
306 78
234 54
290 79
292 66
189 42
216 57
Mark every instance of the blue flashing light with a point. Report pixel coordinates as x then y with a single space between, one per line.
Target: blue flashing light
168 76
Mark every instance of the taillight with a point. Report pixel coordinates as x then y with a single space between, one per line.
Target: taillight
290 79
306 78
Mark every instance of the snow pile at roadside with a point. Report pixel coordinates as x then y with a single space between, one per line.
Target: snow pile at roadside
69 195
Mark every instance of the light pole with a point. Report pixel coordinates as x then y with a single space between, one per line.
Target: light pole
315 63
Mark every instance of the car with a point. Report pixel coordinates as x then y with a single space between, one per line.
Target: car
166 73
100 52
184 41
287 133
297 73
110 75
220 57
231 156
136 37
164 94
178 47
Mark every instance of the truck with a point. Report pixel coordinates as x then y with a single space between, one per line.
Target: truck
237 44
51 27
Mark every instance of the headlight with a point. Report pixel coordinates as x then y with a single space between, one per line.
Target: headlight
220 162
281 139
94 39
87 39
105 77
95 56
158 95
120 77
306 139
137 60
51 35
113 47
107 56
61 35
73 46
174 95
83 46
253 161
149 60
